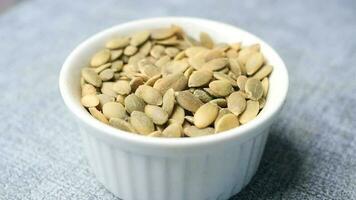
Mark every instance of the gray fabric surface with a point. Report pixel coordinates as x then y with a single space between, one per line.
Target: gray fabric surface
311 151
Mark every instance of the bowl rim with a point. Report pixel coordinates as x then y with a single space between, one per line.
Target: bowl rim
112 132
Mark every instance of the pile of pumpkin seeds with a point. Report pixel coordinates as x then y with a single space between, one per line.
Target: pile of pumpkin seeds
164 83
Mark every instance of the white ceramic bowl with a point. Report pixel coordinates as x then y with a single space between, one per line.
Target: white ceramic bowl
137 167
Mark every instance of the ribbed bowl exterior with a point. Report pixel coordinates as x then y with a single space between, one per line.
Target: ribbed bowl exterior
216 174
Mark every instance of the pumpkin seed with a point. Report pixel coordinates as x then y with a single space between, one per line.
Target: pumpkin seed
241 82
98 115
141 123
192 51
115 54
221 88
200 78
202 95
139 38
88 89
262 102
188 101
155 134
224 77
150 70
122 87
102 67
192 131
235 66
90 100
171 51
130 50
198 60
149 94
157 114
214 54
153 79
178 114
117 66
215 64
245 53
206 40
265 85
106 75
103 99
162 33
114 109
162 61
174 67
226 122
251 111
107 88
117 43
236 103
232 54
168 101
169 41
134 103
177 82
100 58
263 72
220 102
253 88
121 99
157 51
174 130
188 72
254 63
222 112
205 115
121 124
190 119
236 46
90 76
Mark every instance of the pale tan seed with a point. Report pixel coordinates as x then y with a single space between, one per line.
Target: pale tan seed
262 102
157 114
232 53
188 72
254 88
155 134
234 66
106 75
211 92
117 43
169 41
224 77
162 33
145 48
246 52
213 54
98 115
222 46
103 99
134 103
102 67
206 40
236 46
149 94
194 50
122 87
157 51
177 82
82 81
220 102
222 112
192 131
130 68
114 109
162 61
188 101
90 100
135 82
171 51
117 66
134 60
150 70
190 119
174 130
175 67
251 111
215 64
130 50
88 89
153 79
265 85
200 78
263 72
141 123
122 125
90 76
254 63
139 38
107 88
120 98
100 58
224 70
241 82
236 103
232 75
178 114
125 58
221 88
198 60
168 101
115 54
205 115
226 122
202 95
180 56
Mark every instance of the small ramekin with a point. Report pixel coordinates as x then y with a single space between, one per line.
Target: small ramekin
137 167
